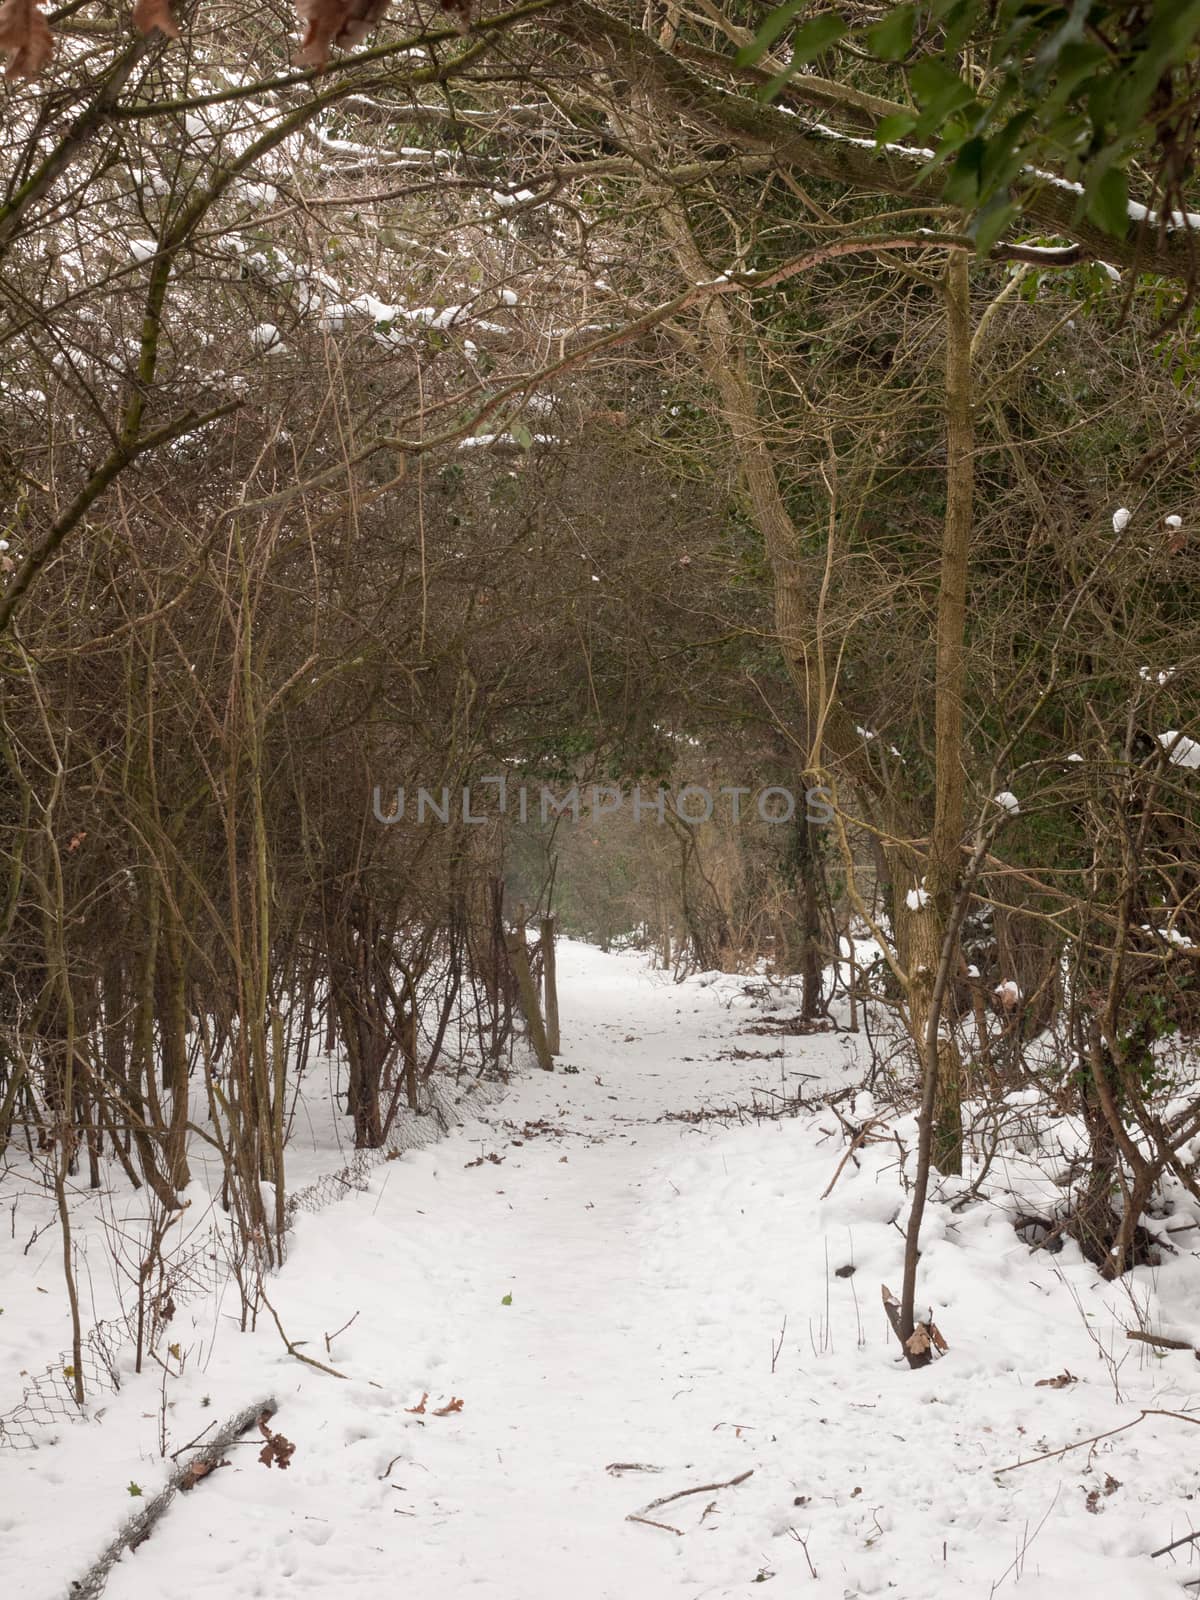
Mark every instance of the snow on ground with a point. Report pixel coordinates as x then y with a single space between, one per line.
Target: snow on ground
633 1299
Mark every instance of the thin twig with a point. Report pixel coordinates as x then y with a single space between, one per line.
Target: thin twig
1175 1543
291 1348
1053 1454
704 1488
329 1337
175 1454
1149 1411
856 1144
650 1523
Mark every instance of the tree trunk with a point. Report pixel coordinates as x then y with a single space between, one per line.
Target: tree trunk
550 978
946 844
518 956
920 919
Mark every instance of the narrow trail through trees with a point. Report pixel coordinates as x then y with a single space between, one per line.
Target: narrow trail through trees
613 1338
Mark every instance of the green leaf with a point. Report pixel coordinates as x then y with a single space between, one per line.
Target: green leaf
507 1301
894 127
952 141
1002 160
891 39
816 36
991 222
962 182
1068 33
1108 201
1076 64
766 36
135 1489
959 18
521 434
938 91
808 41
930 78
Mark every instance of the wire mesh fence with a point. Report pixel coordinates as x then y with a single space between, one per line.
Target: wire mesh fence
444 1107
48 1401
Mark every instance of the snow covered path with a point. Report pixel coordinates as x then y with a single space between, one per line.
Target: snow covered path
676 1312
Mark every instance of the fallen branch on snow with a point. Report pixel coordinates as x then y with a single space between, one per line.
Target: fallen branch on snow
681 1494
859 1137
649 1522
1188 1538
1051 1455
1161 1339
292 1348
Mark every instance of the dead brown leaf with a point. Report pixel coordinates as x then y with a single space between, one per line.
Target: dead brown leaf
278 1451
918 1340
25 37
197 1470
151 14
1061 1382
330 22
454 1405
1094 1497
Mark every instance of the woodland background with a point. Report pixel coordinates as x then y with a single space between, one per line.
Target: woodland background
592 393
